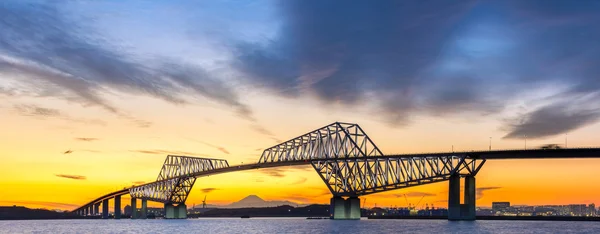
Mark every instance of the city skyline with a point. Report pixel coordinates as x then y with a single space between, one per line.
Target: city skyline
94 95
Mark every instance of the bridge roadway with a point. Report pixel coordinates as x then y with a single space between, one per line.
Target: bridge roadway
570 153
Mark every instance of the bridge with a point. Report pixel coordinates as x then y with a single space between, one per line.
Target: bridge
347 161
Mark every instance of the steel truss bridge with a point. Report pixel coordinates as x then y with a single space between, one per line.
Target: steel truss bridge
346 159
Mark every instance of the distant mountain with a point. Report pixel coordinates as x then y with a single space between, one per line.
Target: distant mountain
19 212
254 201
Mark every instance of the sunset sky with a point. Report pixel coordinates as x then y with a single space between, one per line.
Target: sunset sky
95 94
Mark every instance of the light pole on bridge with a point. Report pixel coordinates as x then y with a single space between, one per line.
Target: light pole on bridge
490 143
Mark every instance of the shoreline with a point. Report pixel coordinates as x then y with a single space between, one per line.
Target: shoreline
508 218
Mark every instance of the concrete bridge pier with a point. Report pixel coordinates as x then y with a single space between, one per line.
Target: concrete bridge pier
118 207
144 209
175 212
134 213
456 210
343 209
96 209
105 209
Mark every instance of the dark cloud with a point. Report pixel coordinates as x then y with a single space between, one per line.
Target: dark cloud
208 190
74 177
430 57
479 191
88 139
68 152
42 42
552 120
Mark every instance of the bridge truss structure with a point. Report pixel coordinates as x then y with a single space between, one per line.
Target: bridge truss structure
175 180
350 163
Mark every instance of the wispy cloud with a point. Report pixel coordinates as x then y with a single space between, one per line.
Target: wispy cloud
281 171
208 190
138 182
74 177
34 110
168 152
479 191
301 180
87 139
44 113
219 148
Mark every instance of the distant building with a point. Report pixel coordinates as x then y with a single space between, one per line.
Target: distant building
500 206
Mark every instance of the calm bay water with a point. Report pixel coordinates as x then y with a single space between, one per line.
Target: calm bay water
293 225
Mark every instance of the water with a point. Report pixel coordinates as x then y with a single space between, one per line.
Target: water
293 225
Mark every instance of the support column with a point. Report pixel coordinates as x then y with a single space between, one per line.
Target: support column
175 212
454 198
118 207
468 213
352 208
456 210
144 210
345 208
181 211
96 209
169 211
105 209
134 208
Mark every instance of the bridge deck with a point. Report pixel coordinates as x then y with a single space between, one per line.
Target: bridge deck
488 155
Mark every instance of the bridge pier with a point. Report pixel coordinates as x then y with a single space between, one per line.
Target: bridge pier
134 213
96 209
105 209
144 209
343 209
175 212
118 207
456 210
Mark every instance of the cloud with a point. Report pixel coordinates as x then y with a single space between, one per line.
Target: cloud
88 139
208 190
281 171
168 152
479 191
62 55
44 112
138 182
553 119
33 110
220 148
74 177
68 152
301 180
429 58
